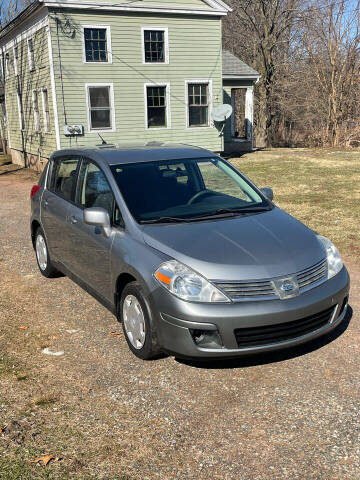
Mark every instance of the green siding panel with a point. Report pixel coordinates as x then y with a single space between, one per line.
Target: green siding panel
195 53
34 143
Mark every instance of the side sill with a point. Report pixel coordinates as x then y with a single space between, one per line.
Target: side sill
104 302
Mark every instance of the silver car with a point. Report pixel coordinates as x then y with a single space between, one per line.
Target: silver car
192 257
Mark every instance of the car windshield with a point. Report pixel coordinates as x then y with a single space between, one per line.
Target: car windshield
186 190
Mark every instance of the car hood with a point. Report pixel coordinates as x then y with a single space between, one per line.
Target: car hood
251 247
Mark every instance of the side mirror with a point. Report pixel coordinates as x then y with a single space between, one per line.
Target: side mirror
98 217
268 192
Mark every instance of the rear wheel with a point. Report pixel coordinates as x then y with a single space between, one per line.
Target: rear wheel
138 329
42 256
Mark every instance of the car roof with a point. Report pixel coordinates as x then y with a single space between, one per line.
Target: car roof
121 154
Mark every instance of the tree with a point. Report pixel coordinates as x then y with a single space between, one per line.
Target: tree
9 9
260 32
332 46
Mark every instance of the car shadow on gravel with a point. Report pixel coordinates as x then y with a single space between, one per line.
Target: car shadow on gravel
273 357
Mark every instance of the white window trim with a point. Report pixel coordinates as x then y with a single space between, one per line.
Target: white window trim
168 112
112 106
31 56
16 71
36 113
166 38
46 116
108 44
198 80
2 68
21 116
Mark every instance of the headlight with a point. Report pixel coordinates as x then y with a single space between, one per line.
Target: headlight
334 261
183 282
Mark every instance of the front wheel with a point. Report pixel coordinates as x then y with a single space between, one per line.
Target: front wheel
138 329
42 256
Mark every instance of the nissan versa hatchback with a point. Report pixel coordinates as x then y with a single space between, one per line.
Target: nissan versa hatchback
186 251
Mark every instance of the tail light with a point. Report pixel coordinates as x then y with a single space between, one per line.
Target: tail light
34 190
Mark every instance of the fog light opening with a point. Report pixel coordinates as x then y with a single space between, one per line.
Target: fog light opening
207 338
344 305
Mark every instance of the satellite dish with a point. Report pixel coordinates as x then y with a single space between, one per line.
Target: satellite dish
221 113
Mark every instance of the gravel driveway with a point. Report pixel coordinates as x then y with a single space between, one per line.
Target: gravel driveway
108 415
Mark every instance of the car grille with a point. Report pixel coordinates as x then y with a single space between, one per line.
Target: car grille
257 336
315 274
264 289
246 290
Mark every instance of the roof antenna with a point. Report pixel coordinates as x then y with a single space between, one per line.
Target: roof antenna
103 142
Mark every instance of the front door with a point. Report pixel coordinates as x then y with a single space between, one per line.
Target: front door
55 203
91 248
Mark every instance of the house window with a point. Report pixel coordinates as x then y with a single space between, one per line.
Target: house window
155 45
198 104
157 106
3 111
31 57
100 107
20 112
35 105
7 64
46 110
16 57
97 44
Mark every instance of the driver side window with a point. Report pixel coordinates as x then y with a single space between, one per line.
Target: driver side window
95 191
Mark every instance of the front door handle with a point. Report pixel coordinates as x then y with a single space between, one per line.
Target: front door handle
73 219
45 203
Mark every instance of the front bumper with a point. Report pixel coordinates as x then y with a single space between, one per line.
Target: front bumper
175 318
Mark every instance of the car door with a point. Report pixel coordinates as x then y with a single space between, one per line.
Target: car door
91 262
55 203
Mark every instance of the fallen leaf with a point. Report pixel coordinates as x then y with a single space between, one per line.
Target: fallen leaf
47 351
72 331
23 327
116 334
45 459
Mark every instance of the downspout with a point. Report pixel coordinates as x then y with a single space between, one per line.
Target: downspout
60 67
22 119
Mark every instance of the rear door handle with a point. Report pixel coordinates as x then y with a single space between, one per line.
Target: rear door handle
73 219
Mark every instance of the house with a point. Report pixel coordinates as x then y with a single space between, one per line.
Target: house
129 71
3 131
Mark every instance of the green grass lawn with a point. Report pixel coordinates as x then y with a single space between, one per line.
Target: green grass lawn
320 187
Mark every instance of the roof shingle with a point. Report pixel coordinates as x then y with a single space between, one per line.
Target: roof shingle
232 65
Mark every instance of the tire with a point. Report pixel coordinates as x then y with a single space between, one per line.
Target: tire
42 256
133 312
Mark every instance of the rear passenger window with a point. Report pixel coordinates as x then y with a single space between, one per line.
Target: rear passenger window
63 180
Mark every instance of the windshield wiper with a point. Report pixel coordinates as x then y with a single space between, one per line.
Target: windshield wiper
164 220
226 212
232 212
